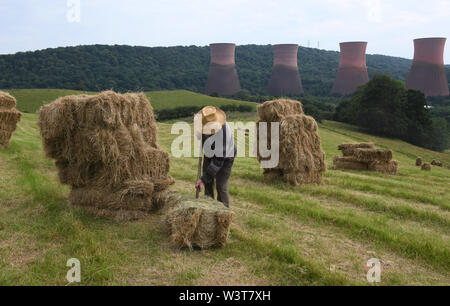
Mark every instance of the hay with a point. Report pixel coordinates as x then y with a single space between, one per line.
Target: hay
348 149
105 147
274 111
419 161
201 223
426 167
386 167
364 156
434 162
349 163
302 160
9 117
372 155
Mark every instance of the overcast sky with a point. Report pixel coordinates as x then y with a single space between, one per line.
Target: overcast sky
389 26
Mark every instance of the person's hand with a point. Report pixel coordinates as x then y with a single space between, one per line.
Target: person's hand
200 185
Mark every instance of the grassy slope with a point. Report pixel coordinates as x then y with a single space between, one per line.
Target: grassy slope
281 235
30 100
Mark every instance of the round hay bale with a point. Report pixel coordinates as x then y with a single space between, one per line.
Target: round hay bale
434 162
426 167
419 161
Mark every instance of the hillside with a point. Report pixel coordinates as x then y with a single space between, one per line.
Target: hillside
281 235
126 68
31 100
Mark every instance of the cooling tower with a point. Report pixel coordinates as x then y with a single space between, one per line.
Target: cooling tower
428 72
352 70
223 77
285 79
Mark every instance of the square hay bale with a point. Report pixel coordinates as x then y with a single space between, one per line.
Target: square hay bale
301 158
370 155
348 149
386 167
426 167
419 161
9 117
201 223
349 163
105 148
274 111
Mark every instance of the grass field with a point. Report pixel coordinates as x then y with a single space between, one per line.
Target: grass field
31 100
282 235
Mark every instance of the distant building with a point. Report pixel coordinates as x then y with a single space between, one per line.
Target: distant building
285 79
223 77
428 71
352 70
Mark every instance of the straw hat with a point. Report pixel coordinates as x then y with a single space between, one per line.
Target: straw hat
213 119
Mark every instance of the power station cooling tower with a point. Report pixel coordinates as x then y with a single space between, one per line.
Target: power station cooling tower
285 79
352 70
223 77
428 72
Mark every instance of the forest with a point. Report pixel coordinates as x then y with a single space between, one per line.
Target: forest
127 68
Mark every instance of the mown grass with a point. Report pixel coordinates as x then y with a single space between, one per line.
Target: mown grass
282 235
31 100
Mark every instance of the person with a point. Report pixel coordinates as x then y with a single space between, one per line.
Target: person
219 152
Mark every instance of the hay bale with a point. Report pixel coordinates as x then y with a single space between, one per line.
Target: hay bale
419 161
371 155
439 164
434 162
426 167
9 117
386 167
202 223
348 149
301 159
105 147
7 101
276 110
349 163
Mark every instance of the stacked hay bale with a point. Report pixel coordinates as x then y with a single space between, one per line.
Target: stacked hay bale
105 147
364 156
201 223
302 160
9 117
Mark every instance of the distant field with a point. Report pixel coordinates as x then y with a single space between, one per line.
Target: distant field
31 100
281 235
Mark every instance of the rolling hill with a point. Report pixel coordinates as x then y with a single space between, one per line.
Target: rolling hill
126 68
281 235
31 100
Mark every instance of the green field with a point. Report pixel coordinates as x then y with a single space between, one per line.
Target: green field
281 235
31 100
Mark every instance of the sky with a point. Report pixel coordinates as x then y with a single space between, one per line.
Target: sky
388 26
